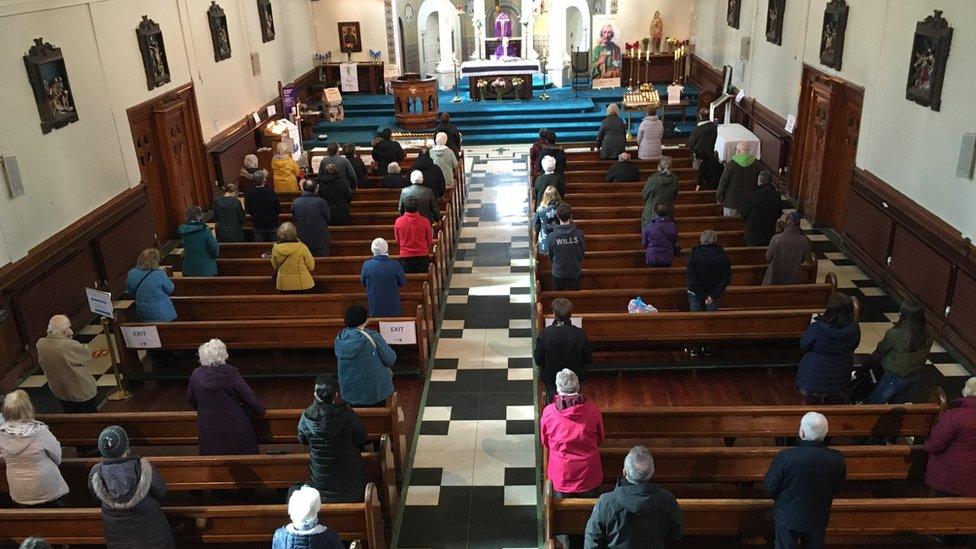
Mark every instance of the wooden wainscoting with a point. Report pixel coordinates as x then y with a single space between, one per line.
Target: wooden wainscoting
915 253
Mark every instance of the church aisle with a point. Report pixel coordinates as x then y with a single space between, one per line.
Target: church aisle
474 477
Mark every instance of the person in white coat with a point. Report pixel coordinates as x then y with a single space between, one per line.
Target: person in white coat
31 454
649 136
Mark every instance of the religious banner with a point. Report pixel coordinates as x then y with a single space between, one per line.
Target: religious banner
289 97
349 77
606 58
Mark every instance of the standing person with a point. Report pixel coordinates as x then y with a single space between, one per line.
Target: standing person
426 201
561 345
566 247
445 158
292 261
286 172
803 482
786 253
703 137
537 147
383 278
448 128
200 248
335 190
545 217
245 180
623 170
229 216
902 352
386 150
553 149
433 174
660 188
264 207
131 492
31 454
951 445
65 364
709 274
415 236
365 362
738 180
660 238
358 166
612 137
334 436
304 530
571 429
393 178
636 514
548 178
824 375
224 403
649 136
760 210
709 171
311 215
150 288
342 166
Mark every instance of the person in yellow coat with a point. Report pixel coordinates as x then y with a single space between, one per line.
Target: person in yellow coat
292 261
285 169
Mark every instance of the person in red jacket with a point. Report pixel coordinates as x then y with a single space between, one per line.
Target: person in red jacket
571 429
951 469
415 236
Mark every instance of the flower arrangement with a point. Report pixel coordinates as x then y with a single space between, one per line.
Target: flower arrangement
499 84
375 55
482 87
517 81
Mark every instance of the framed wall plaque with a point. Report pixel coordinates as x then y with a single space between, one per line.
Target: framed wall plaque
930 53
732 18
49 81
774 21
266 18
153 53
218 32
832 33
350 38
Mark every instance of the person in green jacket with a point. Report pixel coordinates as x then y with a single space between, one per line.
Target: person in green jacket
905 347
661 188
200 248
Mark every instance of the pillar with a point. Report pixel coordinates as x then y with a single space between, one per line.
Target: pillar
479 34
528 16
557 44
446 25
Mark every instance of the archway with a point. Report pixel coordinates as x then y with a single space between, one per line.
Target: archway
428 33
437 32
569 29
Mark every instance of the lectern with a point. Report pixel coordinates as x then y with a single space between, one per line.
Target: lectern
415 101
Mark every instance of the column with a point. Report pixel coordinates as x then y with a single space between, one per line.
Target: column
479 34
528 16
557 43
446 23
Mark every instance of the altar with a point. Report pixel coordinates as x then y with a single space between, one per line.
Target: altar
504 78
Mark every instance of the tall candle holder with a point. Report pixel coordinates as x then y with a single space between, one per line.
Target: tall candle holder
544 63
457 82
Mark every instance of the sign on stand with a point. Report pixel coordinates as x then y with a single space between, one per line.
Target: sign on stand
399 333
141 337
100 302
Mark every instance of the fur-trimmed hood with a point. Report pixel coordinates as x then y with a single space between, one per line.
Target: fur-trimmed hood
121 483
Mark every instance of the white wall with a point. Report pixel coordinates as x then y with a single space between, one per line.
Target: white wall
911 147
372 26
71 171
634 18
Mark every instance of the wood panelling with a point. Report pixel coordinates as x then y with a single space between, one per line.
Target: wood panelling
919 270
116 248
961 328
869 229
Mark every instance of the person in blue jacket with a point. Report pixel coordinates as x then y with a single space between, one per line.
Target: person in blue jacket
150 287
383 279
824 376
200 248
365 359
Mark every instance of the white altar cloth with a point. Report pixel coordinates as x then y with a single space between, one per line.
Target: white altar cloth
499 67
729 135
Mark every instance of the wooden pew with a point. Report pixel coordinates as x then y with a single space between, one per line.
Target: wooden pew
196 526
658 277
276 426
197 473
574 163
332 265
258 285
687 178
612 198
686 240
583 211
634 258
622 225
631 189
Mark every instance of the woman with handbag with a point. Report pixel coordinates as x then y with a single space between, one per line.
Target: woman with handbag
365 359
902 353
151 287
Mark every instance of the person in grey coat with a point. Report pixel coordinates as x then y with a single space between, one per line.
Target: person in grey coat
229 216
612 137
310 213
649 136
427 204
343 166
661 188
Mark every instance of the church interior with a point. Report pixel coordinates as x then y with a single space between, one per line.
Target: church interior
370 273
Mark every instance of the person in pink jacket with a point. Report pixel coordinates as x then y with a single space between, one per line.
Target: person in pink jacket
571 431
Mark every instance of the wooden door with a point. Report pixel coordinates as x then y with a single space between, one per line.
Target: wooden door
815 139
172 124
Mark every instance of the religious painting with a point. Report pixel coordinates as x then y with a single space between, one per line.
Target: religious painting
832 33
350 40
153 50
732 17
606 59
218 32
930 53
774 21
408 12
266 18
49 80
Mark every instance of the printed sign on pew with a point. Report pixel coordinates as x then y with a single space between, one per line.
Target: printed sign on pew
141 337
399 333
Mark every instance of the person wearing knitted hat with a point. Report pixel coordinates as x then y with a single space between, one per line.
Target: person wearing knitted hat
365 359
130 491
334 436
383 279
304 529
786 253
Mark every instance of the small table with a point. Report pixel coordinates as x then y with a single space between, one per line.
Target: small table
729 135
681 106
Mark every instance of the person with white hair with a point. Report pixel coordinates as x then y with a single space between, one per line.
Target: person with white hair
433 175
65 364
285 170
740 177
444 157
427 203
803 481
31 454
382 277
445 125
245 180
623 170
612 137
224 402
548 178
393 178
304 530
637 513
951 467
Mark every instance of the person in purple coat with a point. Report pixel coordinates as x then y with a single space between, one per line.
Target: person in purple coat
223 401
660 238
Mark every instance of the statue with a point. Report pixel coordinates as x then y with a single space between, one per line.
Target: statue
657 30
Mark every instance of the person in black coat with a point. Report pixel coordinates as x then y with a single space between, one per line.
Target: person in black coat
549 177
561 345
335 436
335 191
828 344
386 150
760 210
261 202
709 273
358 166
623 170
703 137
611 139
310 213
709 170
433 175
803 482
453 134
394 179
552 149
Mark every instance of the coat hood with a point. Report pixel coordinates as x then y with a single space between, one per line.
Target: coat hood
745 159
709 252
570 406
215 377
564 229
841 338
192 228
122 483
327 178
18 435
325 419
635 498
350 342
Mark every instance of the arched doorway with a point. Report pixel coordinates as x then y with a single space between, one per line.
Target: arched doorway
429 44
